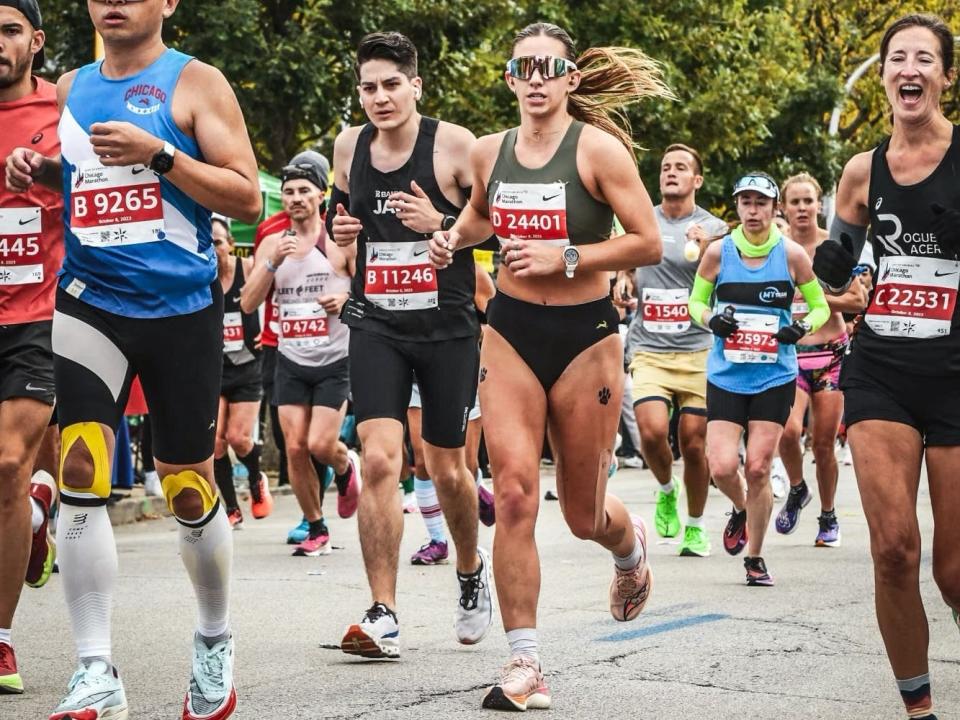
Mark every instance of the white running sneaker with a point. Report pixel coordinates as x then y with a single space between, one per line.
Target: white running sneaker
846 457
778 479
151 484
95 688
376 636
474 613
410 503
212 695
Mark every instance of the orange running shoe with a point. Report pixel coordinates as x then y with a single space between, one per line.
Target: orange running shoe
521 687
261 501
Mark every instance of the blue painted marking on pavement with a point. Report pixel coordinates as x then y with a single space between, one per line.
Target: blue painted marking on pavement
663 627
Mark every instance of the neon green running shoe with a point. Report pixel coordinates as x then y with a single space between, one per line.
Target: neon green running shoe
666 519
696 542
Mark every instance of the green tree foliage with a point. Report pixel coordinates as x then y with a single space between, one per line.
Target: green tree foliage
756 80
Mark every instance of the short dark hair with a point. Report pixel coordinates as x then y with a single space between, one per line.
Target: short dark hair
933 23
225 224
687 149
392 46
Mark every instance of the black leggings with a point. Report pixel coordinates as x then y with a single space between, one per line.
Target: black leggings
549 337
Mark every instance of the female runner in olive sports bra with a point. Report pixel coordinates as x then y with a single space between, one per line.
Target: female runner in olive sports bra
552 357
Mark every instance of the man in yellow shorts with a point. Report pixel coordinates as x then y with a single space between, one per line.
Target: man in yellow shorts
669 353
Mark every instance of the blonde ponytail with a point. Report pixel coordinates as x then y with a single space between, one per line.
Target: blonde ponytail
611 78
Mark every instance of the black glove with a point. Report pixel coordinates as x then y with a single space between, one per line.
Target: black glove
791 334
833 263
946 226
724 325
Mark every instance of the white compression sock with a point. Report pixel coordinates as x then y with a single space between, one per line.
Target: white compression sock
668 488
632 560
5 636
430 508
206 548
87 557
523 641
695 521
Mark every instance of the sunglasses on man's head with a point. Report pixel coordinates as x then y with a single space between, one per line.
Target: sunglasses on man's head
550 67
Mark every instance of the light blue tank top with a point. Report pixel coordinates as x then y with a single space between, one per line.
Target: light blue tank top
751 361
135 245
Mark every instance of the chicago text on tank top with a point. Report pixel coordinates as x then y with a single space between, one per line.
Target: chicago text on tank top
239 328
912 322
136 245
308 336
402 296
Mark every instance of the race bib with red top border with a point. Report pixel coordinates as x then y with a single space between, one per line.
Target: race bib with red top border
303 325
112 206
530 211
914 298
20 236
399 276
754 340
665 311
232 332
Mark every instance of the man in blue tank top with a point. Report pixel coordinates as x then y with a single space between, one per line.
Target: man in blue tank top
152 141
398 179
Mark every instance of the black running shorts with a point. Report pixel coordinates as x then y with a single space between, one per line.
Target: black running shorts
320 386
772 405
241 383
930 404
268 372
26 362
178 359
381 375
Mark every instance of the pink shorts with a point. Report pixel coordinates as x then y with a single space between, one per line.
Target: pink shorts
819 365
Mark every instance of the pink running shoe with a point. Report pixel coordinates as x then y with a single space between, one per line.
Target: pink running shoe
348 497
314 546
485 500
433 553
630 589
521 687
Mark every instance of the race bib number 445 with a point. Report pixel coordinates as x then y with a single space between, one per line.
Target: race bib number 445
754 341
530 211
111 206
20 233
399 276
915 297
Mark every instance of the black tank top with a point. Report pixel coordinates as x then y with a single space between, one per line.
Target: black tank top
234 319
395 291
913 320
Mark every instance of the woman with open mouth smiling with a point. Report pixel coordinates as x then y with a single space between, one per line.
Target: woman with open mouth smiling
901 380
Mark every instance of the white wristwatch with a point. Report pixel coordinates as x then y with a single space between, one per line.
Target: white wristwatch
571 258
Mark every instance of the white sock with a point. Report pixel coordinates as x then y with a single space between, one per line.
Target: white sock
36 515
479 478
667 488
696 522
523 641
206 548
5 636
430 508
87 556
632 560
151 476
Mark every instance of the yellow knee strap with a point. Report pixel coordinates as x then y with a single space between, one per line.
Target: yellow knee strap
92 435
173 485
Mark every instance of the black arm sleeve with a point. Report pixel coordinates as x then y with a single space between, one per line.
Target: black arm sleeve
337 196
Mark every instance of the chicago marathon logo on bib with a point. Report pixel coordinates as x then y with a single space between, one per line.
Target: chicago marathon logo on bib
144 99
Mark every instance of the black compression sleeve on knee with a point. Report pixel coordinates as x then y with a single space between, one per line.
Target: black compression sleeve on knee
223 474
251 461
